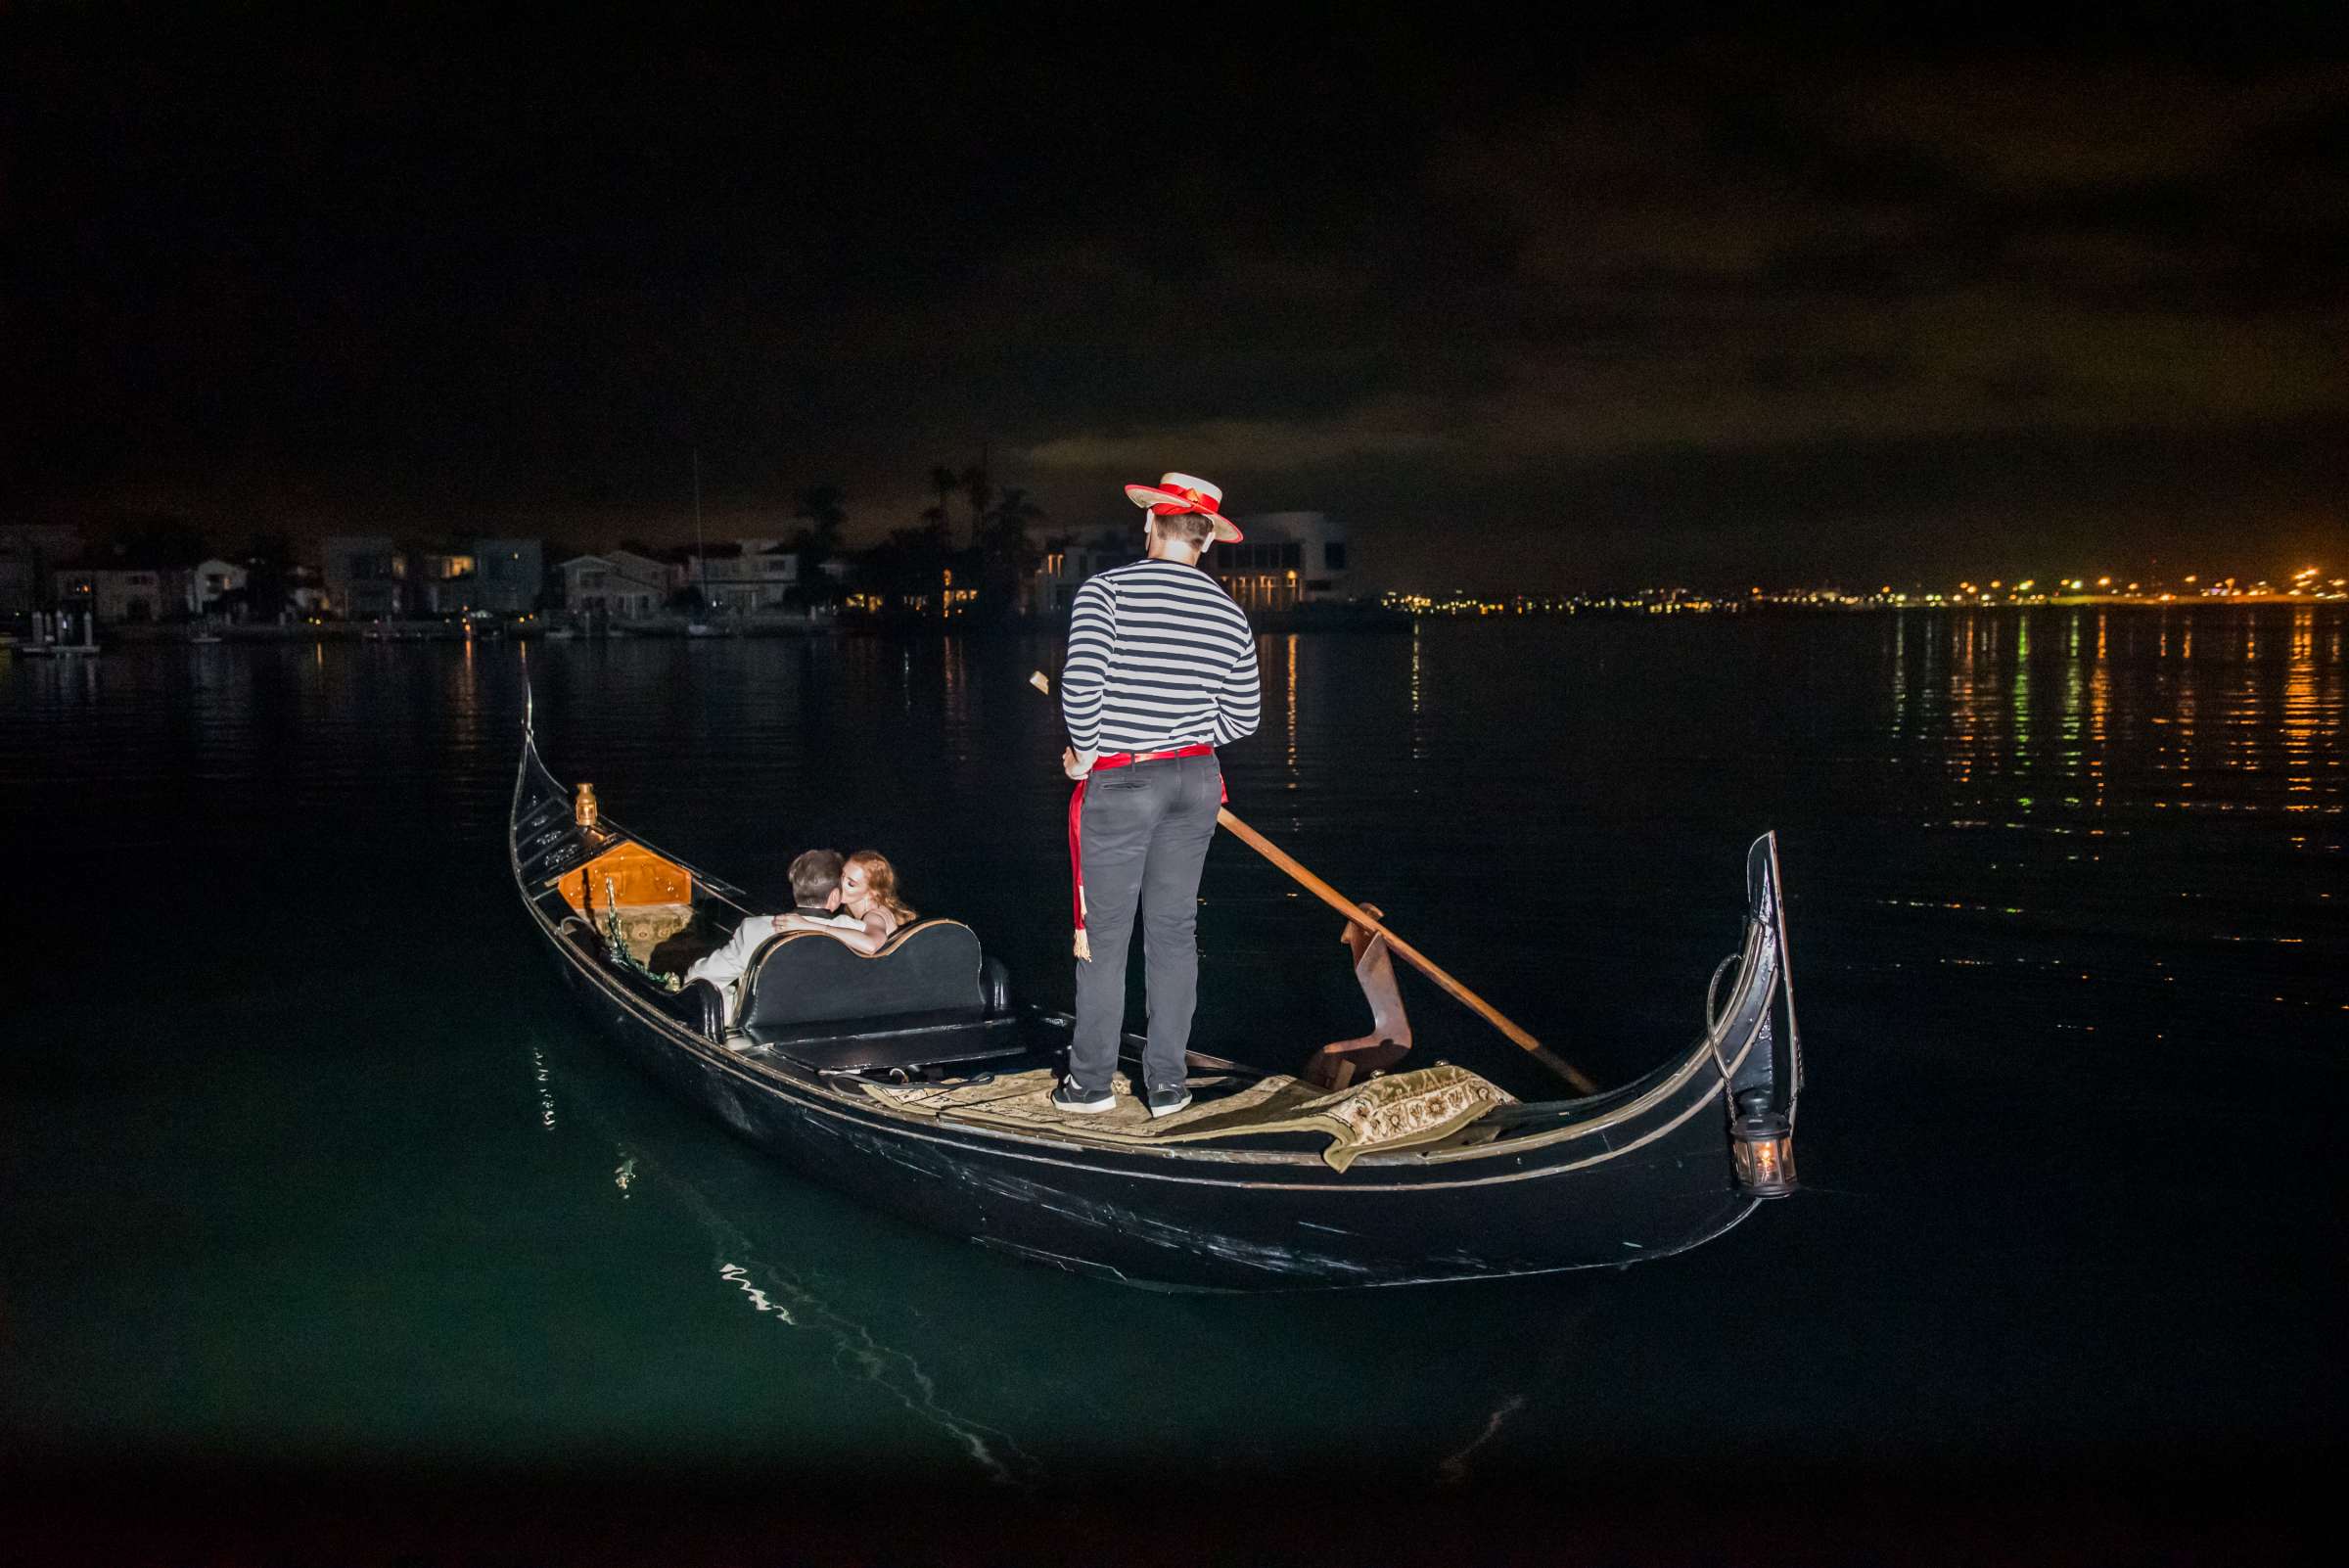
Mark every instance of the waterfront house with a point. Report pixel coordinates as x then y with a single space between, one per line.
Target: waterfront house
121 590
620 583
366 577
745 575
499 577
305 594
442 582
509 576
1051 586
1288 559
666 569
215 586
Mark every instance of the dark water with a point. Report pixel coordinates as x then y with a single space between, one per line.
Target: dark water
306 1158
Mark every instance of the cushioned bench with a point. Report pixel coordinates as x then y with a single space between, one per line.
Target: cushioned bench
927 996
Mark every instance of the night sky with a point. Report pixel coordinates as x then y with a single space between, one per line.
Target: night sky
1648 298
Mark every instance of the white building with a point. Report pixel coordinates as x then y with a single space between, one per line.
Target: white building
210 584
115 594
745 575
1051 585
1287 559
620 583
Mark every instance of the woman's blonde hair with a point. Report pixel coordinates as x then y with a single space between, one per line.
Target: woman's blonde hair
882 879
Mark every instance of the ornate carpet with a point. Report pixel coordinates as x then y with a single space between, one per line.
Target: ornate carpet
1397 1111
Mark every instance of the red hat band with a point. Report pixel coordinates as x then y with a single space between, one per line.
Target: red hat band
1198 501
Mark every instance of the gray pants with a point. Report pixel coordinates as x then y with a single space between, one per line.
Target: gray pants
1143 840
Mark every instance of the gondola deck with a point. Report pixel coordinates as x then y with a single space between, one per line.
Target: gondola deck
1638 1171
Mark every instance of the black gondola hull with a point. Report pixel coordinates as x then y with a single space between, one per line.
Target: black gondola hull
1638 1173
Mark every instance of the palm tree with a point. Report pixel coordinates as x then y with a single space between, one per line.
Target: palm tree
1004 551
825 509
942 481
982 492
1006 538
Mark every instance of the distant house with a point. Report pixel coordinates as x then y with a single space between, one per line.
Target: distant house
744 575
620 584
1051 585
1288 559
119 593
305 593
441 582
499 577
509 573
214 586
665 568
366 577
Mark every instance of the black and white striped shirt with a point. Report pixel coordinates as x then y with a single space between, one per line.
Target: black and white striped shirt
1159 657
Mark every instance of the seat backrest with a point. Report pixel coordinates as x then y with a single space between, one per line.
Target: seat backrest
930 967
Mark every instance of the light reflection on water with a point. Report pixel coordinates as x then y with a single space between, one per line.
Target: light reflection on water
2132 697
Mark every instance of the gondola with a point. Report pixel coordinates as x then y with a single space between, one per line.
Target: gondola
913 1082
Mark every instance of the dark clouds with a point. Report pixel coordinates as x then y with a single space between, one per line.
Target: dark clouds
1668 301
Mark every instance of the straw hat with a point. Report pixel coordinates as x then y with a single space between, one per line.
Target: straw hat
1177 493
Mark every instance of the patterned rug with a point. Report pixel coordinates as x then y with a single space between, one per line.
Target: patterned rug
1397 1111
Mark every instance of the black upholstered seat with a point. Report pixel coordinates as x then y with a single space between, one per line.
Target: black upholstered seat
924 998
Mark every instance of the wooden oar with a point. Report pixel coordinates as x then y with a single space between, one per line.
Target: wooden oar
1369 922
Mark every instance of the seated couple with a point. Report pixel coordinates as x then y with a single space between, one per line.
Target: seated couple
854 900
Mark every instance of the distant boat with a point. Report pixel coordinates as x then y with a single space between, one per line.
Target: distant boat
206 636
702 629
559 633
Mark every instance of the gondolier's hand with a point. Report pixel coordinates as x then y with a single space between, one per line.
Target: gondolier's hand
1074 766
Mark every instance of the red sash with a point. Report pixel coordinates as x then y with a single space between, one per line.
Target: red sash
1077 818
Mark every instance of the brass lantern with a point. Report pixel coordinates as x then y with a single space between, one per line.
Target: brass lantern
1762 1147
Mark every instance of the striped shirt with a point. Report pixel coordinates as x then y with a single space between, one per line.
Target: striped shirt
1159 657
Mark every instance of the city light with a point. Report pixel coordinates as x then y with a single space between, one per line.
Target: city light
1997 593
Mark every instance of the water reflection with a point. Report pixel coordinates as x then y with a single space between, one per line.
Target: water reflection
1292 706
2129 694
794 1298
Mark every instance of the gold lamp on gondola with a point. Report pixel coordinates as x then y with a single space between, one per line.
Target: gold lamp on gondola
1761 1146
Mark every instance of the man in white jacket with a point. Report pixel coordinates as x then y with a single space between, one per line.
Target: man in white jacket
815 884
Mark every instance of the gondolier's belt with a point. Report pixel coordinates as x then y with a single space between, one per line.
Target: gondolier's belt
1077 818
1128 758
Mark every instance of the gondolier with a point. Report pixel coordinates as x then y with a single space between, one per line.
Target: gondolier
1161 671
